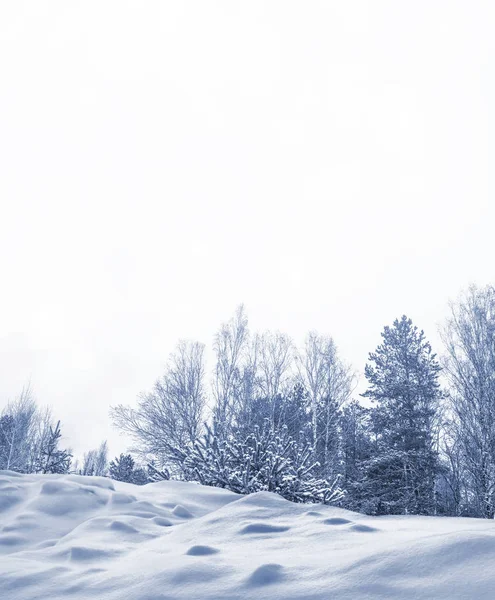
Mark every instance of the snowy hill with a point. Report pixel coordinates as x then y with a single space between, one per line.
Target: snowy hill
88 537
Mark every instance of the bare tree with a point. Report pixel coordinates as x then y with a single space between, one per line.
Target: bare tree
232 349
313 372
453 475
329 383
95 461
40 434
276 352
20 430
469 337
171 415
248 369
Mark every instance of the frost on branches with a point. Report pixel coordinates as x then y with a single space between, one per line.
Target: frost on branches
264 460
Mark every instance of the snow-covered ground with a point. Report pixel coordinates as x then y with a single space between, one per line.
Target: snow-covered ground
92 538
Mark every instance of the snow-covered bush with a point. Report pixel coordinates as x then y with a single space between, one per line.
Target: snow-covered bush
263 460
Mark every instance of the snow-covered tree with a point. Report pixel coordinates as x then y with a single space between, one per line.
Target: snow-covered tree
123 468
172 413
469 336
356 448
403 386
234 370
155 474
95 461
20 433
28 437
329 383
264 460
275 352
53 459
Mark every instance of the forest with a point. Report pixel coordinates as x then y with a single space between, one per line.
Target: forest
420 439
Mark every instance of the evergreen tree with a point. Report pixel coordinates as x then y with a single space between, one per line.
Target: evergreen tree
140 476
263 460
54 460
289 410
123 469
403 385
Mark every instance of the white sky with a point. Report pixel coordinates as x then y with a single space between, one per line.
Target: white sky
329 164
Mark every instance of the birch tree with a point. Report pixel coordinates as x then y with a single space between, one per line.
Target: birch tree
469 337
328 382
231 373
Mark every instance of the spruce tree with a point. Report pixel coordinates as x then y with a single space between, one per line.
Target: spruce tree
122 468
403 386
54 460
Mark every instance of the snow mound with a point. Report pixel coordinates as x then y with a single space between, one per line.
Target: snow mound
91 538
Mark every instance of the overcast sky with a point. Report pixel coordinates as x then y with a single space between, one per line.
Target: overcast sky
329 164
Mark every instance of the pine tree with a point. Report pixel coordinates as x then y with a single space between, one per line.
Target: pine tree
263 460
123 469
403 385
54 460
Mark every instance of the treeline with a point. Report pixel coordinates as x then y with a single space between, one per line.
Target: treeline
30 442
285 419
272 414
279 418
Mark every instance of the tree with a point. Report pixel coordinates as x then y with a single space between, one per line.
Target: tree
42 425
287 409
357 449
403 386
7 440
329 384
17 432
155 474
172 413
95 461
53 459
275 352
24 433
123 468
451 489
469 337
234 379
264 460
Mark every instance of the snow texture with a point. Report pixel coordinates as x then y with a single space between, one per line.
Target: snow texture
68 536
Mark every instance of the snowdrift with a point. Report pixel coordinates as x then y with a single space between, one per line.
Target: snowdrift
89 537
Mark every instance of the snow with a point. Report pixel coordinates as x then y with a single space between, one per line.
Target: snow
67 536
